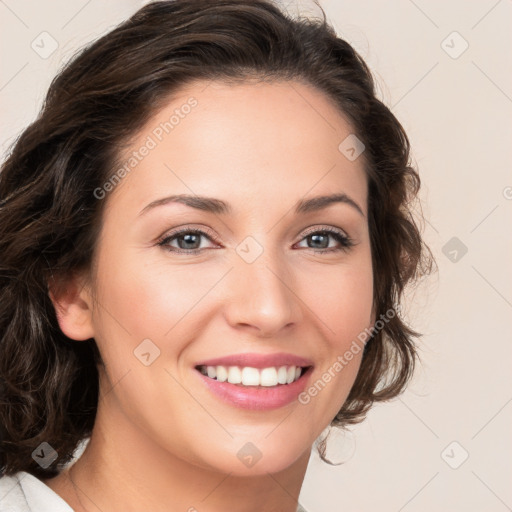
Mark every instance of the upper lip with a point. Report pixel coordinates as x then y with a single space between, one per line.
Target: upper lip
254 360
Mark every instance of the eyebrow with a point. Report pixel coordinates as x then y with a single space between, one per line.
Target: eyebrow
217 206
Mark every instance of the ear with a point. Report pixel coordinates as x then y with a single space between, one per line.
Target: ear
73 303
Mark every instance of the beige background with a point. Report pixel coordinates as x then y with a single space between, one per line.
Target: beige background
456 108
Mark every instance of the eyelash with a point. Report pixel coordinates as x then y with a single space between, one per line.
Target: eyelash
345 241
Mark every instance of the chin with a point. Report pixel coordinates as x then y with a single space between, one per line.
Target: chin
246 458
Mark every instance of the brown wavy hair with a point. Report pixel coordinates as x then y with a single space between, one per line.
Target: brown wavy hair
50 216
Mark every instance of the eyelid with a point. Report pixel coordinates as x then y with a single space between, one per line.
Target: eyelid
203 229
331 229
188 228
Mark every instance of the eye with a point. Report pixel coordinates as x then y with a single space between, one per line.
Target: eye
190 240
187 240
320 240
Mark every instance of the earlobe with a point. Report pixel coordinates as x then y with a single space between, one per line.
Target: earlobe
73 308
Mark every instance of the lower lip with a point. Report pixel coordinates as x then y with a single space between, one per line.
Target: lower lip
258 398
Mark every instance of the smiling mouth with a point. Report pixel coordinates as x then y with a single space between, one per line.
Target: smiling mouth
254 377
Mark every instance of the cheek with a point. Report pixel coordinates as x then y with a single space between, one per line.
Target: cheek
342 298
148 297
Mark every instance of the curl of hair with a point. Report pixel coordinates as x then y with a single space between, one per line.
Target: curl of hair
50 216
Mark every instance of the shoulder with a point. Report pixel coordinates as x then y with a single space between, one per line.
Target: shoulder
12 498
23 492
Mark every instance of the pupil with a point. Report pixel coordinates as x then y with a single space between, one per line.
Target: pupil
188 239
318 243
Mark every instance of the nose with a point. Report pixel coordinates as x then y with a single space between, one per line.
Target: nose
262 298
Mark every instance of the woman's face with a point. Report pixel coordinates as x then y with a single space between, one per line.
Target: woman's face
251 273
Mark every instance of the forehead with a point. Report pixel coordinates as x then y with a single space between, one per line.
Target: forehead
245 140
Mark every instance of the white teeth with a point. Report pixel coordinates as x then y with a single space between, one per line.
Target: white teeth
249 376
234 375
269 377
281 375
222 374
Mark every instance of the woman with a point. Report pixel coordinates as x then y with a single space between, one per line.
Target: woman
204 239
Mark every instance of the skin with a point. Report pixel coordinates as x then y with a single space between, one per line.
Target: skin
161 440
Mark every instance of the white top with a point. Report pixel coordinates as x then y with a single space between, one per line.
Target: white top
23 492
